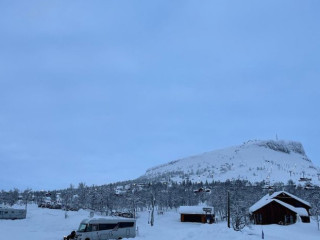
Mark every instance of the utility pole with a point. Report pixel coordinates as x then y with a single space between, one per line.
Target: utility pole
152 210
228 208
27 193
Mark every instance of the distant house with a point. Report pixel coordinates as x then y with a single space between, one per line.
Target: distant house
201 214
280 208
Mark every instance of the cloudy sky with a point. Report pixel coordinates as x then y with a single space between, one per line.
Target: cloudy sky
100 91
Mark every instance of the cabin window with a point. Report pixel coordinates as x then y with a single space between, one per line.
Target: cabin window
258 218
288 219
107 226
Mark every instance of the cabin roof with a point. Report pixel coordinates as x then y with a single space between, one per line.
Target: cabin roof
291 195
269 198
11 209
194 209
299 211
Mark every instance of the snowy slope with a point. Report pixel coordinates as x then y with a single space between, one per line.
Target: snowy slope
255 161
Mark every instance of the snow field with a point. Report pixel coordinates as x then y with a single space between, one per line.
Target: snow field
50 224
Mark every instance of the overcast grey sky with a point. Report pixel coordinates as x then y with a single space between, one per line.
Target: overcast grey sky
99 91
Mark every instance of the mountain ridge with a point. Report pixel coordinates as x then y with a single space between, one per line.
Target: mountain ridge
254 160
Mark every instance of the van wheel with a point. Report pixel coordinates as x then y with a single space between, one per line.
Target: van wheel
120 238
87 238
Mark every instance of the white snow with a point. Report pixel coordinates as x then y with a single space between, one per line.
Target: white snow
195 209
50 224
255 161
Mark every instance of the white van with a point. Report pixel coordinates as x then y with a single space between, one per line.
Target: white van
106 228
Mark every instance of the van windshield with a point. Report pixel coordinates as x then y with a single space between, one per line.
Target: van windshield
82 227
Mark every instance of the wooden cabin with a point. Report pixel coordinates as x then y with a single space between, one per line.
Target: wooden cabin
280 208
202 214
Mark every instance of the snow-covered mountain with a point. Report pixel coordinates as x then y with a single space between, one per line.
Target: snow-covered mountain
255 161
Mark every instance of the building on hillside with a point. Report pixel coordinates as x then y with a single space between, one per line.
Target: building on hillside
201 214
280 208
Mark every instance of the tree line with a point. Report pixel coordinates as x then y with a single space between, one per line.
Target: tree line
140 196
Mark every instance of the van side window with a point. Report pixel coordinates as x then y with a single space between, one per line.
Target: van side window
95 227
125 224
89 228
107 226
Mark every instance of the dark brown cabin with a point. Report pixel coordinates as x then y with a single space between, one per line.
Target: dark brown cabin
280 208
196 214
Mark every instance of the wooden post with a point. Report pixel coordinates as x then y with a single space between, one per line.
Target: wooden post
152 210
228 208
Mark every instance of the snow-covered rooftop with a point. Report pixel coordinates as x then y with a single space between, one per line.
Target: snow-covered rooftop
293 196
270 198
195 209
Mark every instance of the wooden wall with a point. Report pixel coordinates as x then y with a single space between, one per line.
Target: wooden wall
193 218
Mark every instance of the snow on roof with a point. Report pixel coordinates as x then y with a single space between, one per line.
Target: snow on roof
195 209
2 206
269 198
107 219
299 211
262 202
291 195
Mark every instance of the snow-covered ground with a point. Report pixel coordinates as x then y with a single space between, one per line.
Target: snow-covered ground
47 224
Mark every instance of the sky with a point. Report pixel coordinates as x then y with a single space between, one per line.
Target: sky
100 91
